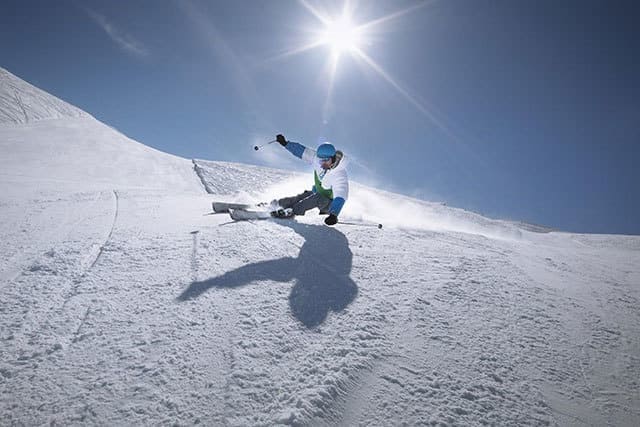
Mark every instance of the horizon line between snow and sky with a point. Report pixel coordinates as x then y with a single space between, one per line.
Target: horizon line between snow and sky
519 110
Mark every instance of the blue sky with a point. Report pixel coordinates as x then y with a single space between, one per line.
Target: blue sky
524 110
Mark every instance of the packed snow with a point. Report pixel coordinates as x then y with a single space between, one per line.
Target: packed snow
126 302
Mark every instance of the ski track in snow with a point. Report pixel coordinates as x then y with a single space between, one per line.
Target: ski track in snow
50 281
106 241
124 302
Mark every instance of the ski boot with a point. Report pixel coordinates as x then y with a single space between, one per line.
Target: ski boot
270 206
282 213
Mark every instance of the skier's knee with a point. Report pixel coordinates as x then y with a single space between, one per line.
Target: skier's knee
298 210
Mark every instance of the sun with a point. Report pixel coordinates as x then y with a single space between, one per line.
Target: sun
341 35
344 37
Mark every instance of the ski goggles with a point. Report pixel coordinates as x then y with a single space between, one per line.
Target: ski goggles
324 159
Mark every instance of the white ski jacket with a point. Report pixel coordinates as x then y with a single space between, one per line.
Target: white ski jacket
332 183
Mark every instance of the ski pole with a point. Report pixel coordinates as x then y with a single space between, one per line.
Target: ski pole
257 147
362 224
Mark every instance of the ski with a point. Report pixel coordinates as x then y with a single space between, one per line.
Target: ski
246 215
224 207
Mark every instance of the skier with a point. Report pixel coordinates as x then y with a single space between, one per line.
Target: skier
331 187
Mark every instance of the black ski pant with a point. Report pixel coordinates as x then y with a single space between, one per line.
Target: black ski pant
306 201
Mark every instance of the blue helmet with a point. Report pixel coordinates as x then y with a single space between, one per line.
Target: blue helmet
326 150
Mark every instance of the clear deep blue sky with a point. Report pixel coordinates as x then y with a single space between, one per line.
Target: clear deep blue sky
524 110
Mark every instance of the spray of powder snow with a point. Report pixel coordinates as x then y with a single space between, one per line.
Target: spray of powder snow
366 204
401 212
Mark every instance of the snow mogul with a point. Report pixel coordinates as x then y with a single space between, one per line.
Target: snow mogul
331 183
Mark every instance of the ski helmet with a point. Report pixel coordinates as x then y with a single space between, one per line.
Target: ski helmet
326 150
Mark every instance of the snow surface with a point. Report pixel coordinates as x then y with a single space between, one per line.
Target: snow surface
21 102
125 302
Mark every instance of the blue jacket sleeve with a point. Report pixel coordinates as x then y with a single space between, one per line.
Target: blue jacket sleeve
295 148
336 206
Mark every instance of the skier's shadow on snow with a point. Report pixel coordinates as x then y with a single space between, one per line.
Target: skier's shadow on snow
321 273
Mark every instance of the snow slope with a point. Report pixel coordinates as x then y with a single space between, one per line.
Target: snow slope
55 146
124 302
21 102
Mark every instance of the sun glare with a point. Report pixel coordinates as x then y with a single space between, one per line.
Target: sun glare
341 36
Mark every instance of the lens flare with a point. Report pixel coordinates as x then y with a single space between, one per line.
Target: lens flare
341 36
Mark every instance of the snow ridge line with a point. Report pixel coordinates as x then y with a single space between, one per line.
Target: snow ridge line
76 336
76 282
113 226
199 172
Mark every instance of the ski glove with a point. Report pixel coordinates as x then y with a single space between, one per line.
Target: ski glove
332 219
281 140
